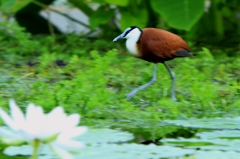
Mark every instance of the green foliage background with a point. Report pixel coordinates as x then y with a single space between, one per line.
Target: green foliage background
192 19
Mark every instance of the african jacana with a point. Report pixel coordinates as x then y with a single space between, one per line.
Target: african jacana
154 45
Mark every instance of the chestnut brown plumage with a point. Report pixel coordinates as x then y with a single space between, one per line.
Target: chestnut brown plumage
157 46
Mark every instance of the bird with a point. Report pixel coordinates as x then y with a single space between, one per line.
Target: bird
156 46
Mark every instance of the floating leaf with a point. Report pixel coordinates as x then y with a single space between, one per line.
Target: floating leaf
97 136
215 140
105 136
25 150
113 151
98 146
208 123
110 151
181 14
216 155
205 144
225 134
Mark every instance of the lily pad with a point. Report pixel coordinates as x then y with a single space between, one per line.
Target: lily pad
114 151
101 143
225 134
216 155
110 151
205 144
208 123
25 150
96 136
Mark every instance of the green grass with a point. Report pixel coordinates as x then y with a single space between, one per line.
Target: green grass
99 74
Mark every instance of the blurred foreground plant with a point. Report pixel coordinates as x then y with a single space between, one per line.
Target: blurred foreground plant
55 129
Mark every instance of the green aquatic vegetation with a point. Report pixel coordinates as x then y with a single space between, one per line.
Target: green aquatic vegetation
208 123
95 85
92 77
223 139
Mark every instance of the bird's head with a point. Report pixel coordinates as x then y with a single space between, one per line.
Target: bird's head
130 32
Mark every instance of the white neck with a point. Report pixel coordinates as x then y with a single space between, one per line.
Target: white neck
132 38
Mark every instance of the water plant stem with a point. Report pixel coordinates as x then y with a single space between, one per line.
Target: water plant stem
35 144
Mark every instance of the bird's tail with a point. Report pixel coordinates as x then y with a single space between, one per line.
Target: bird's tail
184 53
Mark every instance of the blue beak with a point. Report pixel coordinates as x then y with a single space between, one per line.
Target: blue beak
118 37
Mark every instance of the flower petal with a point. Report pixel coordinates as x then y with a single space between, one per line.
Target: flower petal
70 145
72 120
34 112
10 137
57 112
16 113
73 132
55 120
60 152
8 120
35 120
9 133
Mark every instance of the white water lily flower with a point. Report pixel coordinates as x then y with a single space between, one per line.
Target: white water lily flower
55 128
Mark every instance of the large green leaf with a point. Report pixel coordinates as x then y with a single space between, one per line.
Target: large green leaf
100 16
20 4
6 5
13 6
82 6
180 14
118 2
128 19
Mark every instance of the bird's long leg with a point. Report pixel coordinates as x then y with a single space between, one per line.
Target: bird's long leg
154 78
173 82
